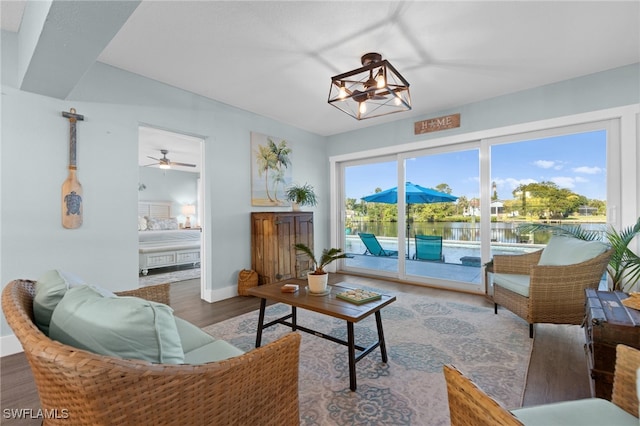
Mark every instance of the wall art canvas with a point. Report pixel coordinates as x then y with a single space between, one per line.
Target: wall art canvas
270 170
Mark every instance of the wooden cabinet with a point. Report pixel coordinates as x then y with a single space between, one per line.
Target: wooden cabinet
607 323
273 236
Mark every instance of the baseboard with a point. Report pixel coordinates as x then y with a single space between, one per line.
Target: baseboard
10 345
220 294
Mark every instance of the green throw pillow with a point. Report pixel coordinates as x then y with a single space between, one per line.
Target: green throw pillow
563 250
50 288
125 327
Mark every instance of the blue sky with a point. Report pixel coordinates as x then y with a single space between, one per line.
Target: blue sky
576 162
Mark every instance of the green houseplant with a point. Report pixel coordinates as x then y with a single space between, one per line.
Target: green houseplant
301 195
318 278
624 264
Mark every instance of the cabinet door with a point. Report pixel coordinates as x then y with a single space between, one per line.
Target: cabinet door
284 260
263 247
304 235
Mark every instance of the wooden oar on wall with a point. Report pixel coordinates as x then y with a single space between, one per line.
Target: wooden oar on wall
71 188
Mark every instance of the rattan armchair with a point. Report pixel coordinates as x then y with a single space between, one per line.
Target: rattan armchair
556 293
82 388
471 406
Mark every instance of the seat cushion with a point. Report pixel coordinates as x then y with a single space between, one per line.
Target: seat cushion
214 351
517 283
125 327
562 250
50 288
191 336
583 412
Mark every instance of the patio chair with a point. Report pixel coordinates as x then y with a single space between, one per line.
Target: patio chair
429 247
373 246
548 286
470 405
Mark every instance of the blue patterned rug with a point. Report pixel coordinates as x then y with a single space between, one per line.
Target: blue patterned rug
422 334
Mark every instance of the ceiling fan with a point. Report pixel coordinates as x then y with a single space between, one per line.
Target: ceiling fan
165 163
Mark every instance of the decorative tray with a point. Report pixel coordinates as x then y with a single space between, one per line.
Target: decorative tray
358 296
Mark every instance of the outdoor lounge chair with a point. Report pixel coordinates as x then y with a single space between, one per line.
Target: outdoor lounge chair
373 246
429 247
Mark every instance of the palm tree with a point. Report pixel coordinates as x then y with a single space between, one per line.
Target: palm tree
281 155
266 160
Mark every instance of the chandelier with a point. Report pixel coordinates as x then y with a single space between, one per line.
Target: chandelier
375 89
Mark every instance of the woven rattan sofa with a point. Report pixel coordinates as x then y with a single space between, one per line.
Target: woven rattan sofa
471 406
83 388
553 293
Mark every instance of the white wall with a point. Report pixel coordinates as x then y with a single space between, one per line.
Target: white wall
34 159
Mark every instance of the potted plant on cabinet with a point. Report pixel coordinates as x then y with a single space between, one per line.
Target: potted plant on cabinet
318 278
301 195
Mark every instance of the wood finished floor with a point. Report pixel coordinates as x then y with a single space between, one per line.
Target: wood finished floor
557 371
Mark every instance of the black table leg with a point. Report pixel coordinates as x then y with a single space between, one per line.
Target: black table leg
294 318
352 356
383 346
263 306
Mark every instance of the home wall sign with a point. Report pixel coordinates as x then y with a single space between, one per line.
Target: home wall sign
436 124
71 188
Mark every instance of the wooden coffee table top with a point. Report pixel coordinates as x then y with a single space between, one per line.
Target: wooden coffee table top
328 305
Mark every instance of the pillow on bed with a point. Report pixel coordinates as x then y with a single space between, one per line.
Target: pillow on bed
154 224
142 223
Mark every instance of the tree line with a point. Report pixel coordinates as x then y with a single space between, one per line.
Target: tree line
540 200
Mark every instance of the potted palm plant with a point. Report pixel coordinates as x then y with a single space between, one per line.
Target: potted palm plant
301 195
318 278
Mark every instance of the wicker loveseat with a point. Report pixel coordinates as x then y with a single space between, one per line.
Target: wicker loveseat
83 388
471 406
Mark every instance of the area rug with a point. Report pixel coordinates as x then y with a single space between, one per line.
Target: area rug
422 334
169 277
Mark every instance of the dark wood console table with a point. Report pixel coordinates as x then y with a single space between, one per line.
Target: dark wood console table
607 323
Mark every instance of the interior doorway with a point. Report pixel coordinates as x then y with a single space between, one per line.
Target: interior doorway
170 206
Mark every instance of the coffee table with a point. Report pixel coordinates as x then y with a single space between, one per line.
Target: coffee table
327 305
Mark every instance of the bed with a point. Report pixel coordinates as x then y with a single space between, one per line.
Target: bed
161 241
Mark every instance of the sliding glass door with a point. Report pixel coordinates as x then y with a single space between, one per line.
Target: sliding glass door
483 195
371 228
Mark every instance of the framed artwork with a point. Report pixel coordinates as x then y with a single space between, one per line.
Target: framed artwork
270 170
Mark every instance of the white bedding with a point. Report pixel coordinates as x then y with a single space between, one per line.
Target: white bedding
169 236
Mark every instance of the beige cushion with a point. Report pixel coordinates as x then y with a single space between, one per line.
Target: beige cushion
515 282
125 327
563 250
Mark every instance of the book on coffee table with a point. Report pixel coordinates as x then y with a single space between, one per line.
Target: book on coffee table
358 296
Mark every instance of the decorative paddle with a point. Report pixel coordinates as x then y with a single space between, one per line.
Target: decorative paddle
71 188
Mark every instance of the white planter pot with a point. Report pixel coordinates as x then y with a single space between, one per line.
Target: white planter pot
317 283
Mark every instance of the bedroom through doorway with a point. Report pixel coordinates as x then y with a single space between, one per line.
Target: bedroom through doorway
170 206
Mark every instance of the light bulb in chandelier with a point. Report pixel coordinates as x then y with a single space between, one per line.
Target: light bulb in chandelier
380 80
362 108
343 92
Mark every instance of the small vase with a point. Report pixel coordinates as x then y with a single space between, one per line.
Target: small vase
317 283
295 207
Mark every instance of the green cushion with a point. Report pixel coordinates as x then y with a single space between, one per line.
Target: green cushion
50 288
562 250
515 282
211 352
125 327
583 412
191 336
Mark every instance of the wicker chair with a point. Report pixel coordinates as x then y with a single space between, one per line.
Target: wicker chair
258 387
471 406
556 293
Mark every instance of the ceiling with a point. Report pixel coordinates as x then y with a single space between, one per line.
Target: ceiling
276 59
